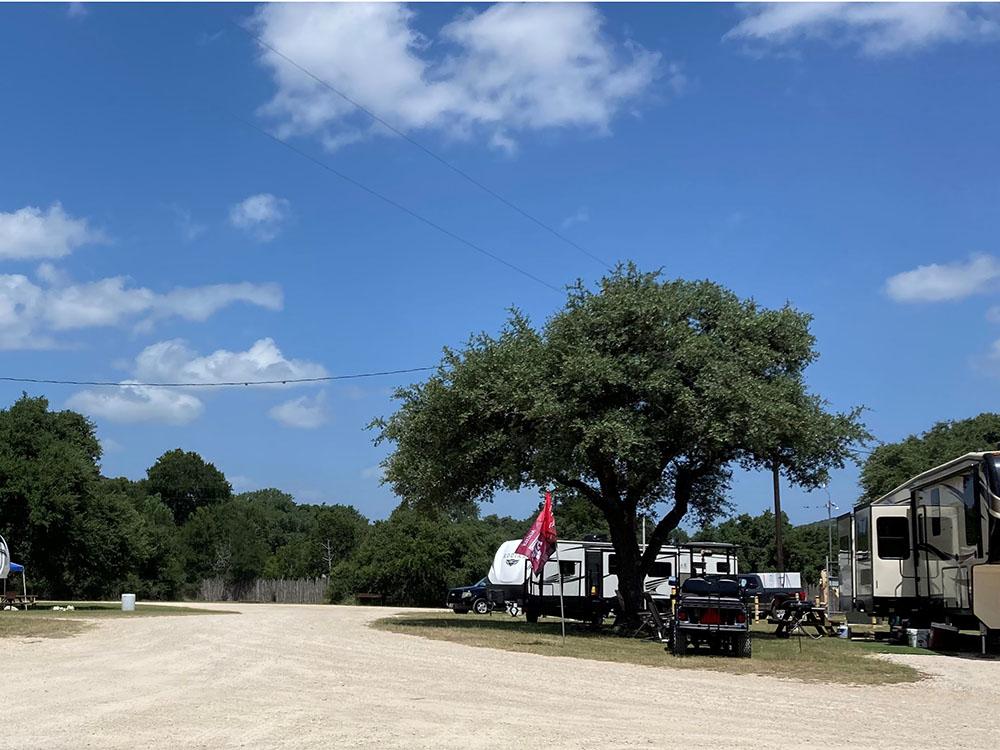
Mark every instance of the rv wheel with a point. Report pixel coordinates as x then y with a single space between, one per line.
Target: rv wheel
680 643
481 606
531 614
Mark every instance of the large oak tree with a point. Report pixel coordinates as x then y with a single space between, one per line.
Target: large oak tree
641 396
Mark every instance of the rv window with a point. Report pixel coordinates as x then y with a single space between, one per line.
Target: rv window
722 567
845 544
973 520
893 538
612 565
567 568
661 570
698 568
861 528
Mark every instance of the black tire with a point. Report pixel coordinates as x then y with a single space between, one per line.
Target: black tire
461 610
744 646
680 643
531 614
481 607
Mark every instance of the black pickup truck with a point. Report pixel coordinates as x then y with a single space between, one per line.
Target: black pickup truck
770 597
469 598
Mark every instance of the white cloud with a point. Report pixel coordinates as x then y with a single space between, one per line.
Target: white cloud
30 313
261 215
30 233
173 362
136 403
580 217
304 412
938 283
499 71
874 28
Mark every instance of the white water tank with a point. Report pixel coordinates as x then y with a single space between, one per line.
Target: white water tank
128 602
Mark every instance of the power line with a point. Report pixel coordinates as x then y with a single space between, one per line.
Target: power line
396 204
218 384
414 142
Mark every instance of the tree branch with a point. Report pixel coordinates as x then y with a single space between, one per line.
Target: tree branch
683 484
584 489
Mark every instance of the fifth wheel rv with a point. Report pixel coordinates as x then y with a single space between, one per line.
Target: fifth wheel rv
930 549
589 574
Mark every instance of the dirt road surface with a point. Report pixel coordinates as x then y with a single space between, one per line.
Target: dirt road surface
279 676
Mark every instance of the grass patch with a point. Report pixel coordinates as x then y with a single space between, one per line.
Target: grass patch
829 660
42 622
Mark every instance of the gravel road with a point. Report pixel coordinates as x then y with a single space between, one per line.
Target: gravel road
318 677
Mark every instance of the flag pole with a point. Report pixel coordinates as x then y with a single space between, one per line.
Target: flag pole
562 607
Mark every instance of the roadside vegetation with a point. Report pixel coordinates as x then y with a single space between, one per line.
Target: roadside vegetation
830 660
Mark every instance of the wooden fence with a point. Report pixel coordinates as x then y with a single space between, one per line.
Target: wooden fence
280 590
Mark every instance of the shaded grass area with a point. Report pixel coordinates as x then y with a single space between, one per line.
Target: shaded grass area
830 660
42 622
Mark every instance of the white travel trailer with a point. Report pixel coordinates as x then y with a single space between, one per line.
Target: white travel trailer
589 574
930 549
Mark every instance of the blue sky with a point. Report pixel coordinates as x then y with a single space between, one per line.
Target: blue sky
840 158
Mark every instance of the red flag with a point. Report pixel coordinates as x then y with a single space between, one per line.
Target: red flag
540 541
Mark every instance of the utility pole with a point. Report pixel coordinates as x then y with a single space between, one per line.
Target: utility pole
778 542
829 531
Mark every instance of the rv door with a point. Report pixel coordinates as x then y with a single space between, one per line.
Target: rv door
845 561
892 559
863 574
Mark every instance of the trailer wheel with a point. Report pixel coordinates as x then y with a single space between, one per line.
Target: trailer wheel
744 646
680 643
481 606
531 613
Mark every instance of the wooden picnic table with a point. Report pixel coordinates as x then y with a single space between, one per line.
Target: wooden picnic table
801 615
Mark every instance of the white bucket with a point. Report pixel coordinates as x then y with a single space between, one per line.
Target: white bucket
918 637
844 631
128 602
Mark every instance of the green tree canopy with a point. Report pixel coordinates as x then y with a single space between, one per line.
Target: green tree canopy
415 556
77 534
891 464
640 396
185 481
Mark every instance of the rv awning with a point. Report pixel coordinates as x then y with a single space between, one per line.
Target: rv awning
15 568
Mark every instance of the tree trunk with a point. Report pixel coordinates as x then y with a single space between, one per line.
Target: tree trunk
620 513
628 559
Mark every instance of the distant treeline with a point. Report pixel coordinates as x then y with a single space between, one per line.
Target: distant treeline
83 535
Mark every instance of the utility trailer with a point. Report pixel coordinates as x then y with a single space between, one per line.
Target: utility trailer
588 571
929 551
